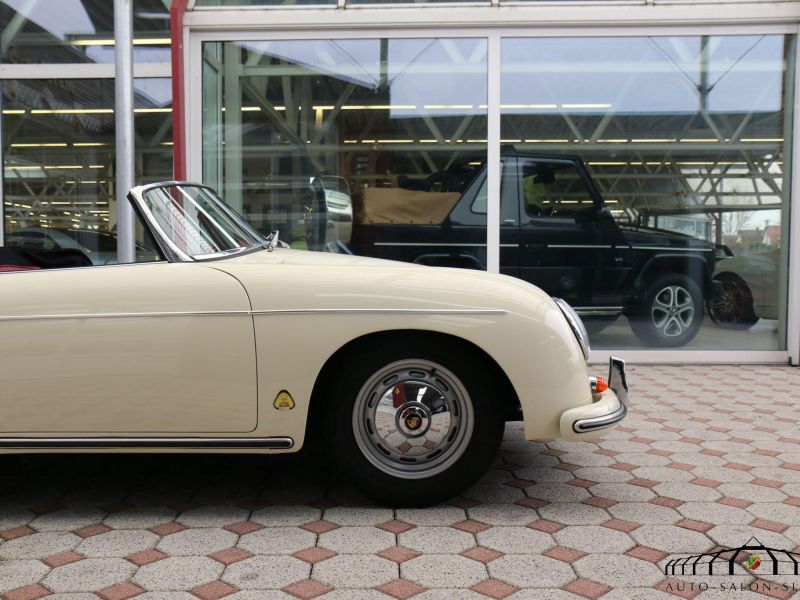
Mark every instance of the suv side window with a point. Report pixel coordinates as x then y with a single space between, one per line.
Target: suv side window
554 189
481 201
471 209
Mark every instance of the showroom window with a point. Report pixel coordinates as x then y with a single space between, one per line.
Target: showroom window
683 142
643 179
80 31
362 146
58 142
59 159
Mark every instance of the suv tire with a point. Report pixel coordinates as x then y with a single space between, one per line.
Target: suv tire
671 311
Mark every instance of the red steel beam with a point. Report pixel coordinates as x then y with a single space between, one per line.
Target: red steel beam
179 158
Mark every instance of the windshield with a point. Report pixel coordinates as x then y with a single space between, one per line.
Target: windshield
197 222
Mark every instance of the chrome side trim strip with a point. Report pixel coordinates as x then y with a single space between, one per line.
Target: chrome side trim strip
671 249
146 442
597 311
445 244
579 246
442 244
418 311
210 313
617 382
595 246
248 313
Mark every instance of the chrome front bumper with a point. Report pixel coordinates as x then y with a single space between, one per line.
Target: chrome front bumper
608 411
619 384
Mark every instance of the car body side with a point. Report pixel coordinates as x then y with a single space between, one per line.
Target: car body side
257 325
335 300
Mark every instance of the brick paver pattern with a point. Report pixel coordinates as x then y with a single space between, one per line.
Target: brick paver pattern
708 457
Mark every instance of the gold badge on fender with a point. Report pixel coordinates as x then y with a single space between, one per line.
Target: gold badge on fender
283 401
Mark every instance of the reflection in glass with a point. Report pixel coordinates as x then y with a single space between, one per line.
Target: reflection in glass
58 159
682 143
79 31
554 189
364 146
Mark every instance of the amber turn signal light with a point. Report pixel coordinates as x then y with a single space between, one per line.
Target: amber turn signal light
598 385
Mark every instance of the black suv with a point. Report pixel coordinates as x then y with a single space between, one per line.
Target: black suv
557 232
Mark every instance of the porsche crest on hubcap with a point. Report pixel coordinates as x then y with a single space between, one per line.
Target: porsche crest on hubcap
413 419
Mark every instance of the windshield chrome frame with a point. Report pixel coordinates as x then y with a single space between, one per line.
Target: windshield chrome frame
168 247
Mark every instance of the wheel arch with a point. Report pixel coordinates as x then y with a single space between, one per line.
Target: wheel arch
735 277
508 394
694 267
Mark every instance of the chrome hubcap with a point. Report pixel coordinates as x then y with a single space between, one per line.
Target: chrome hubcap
413 419
672 311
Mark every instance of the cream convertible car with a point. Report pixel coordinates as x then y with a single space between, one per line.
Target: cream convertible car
404 374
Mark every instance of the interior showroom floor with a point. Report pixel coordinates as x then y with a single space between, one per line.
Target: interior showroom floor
709 457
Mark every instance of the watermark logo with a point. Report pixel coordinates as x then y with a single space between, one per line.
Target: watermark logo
742 569
750 558
753 562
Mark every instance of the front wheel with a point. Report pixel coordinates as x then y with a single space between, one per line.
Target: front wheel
413 423
671 312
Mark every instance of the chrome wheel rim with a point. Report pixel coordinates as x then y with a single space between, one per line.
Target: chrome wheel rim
413 419
672 311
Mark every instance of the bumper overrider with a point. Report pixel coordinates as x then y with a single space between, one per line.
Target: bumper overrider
606 412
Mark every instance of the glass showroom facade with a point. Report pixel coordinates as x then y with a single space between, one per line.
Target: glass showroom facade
615 152
57 120
643 175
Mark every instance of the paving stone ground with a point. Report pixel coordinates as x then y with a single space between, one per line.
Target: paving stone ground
708 457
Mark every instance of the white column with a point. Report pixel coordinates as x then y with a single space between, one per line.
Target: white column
493 156
2 174
792 113
232 129
123 118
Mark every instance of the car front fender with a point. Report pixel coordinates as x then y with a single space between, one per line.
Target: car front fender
304 313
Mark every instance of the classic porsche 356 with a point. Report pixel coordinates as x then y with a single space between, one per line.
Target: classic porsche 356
228 342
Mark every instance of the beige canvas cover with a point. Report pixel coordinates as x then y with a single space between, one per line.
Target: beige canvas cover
398 205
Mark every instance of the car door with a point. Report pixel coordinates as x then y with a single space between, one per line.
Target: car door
468 218
563 249
154 349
